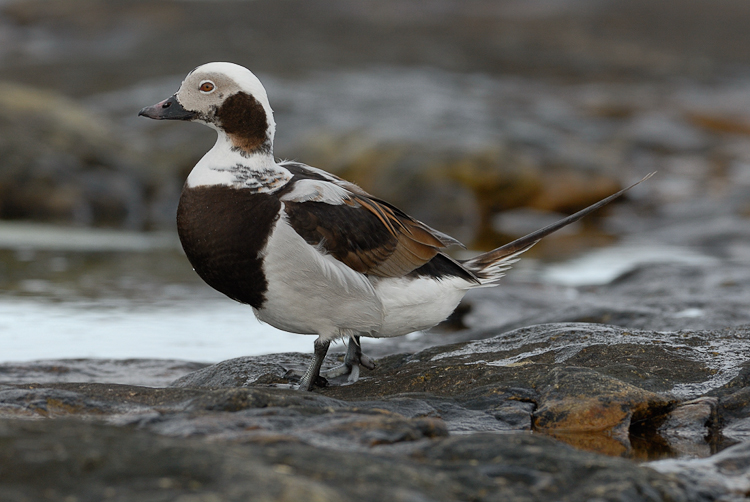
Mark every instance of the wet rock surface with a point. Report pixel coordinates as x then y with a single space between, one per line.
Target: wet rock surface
634 389
531 414
95 462
148 372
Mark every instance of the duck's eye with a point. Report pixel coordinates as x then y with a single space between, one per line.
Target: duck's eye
207 86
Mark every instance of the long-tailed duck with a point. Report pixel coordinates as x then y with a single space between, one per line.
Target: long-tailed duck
310 252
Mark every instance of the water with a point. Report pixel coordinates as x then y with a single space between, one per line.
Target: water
207 331
603 265
78 293
81 293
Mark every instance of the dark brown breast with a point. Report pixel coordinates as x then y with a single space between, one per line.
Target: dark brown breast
222 231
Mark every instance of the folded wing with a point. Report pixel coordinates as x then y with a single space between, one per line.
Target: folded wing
367 234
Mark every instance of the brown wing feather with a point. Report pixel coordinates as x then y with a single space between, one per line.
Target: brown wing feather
416 243
368 235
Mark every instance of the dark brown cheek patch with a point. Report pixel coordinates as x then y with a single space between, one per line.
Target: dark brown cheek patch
244 120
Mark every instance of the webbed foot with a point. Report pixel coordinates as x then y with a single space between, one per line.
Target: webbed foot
352 361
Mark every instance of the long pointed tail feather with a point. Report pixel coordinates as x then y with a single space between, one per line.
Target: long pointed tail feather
490 266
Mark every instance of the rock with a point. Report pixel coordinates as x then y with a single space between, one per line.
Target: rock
238 399
85 462
688 426
416 420
66 458
561 379
734 406
243 371
737 430
64 164
90 400
46 403
614 41
735 413
702 293
326 428
685 364
146 372
639 394
581 400
724 476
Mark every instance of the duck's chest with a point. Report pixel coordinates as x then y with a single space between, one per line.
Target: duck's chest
223 231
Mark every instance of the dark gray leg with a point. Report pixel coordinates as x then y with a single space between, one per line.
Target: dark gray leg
313 371
352 361
354 355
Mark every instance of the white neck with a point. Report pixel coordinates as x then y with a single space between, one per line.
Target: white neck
224 165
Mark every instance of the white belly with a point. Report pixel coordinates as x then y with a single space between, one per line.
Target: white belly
312 293
416 304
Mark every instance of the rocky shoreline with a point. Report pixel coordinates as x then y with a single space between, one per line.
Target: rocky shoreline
567 410
636 388
424 427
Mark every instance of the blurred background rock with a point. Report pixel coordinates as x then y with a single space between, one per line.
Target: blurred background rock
481 117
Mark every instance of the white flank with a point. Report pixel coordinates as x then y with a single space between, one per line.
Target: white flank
309 292
414 304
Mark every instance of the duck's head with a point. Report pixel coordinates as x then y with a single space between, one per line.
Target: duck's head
226 97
